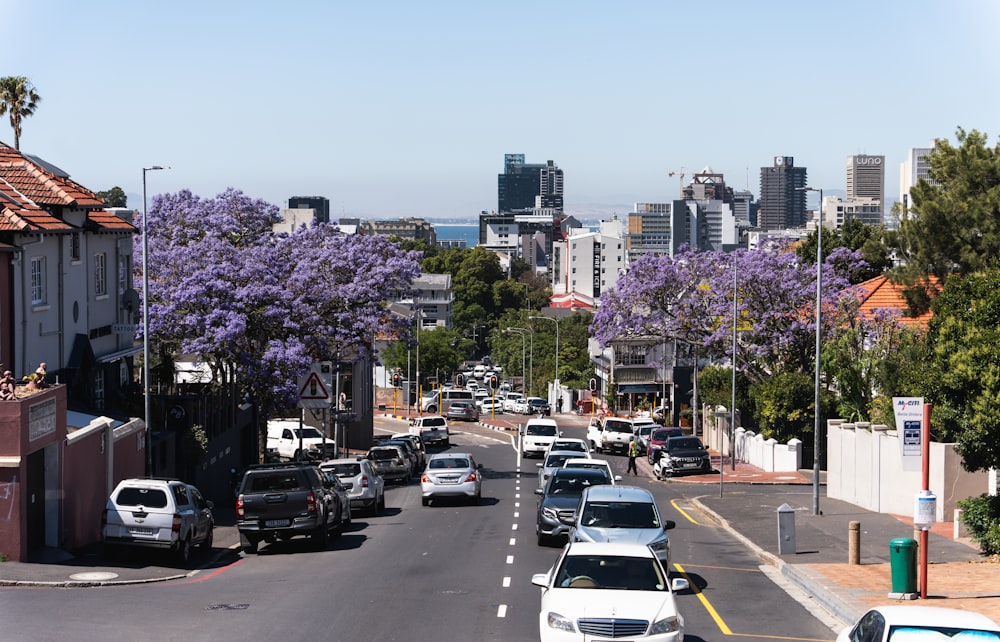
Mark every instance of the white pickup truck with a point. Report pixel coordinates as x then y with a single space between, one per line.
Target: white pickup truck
611 433
288 441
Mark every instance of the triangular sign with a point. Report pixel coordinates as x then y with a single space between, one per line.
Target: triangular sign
314 389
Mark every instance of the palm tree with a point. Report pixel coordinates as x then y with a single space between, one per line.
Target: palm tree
18 96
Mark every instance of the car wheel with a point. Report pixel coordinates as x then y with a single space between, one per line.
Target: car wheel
110 551
707 466
380 506
543 539
207 544
426 501
249 545
321 537
447 443
347 520
184 551
476 499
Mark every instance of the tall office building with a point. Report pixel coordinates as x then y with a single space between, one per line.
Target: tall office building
525 185
782 202
914 168
866 180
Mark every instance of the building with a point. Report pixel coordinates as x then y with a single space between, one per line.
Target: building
586 264
911 170
525 186
782 202
432 295
837 211
866 179
411 229
320 206
650 230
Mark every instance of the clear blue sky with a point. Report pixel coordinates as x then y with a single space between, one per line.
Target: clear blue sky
406 108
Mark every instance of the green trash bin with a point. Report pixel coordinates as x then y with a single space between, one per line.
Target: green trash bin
903 562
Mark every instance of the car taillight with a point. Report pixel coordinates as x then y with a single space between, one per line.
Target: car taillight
175 526
239 506
399 462
311 503
364 481
424 479
471 477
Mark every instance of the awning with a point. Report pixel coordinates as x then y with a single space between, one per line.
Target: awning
626 388
114 356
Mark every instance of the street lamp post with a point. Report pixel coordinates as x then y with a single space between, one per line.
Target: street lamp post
524 380
556 321
531 356
145 318
818 447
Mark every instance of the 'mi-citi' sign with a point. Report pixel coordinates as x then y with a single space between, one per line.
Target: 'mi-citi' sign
909 412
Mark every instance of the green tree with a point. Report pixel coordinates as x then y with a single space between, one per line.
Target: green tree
784 406
19 99
114 197
953 226
961 376
874 243
442 351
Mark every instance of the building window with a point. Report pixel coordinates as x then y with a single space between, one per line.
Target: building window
38 281
630 355
124 274
74 246
100 274
99 388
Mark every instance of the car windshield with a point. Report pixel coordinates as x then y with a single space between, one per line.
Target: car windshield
611 572
308 433
685 443
556 461
344 470
619 515
148 497
569 445
645 430
541 430
617 426
383 453
449 462
909 633
573 486
662 435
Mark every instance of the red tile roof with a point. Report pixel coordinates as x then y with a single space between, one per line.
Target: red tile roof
881 294
29 194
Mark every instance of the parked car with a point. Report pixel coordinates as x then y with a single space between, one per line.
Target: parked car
658 439
622 514
390 462
464 410
537 406
281 501
558 500
897 622
293 443
553 461
365 487
451 475
157 513
409 450
642 434
418 446
681 454
432 430
593 464
635 599
333 485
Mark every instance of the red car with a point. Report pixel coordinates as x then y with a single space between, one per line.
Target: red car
658 439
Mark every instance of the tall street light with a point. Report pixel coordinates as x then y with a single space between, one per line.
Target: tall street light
556 321
145 317
524 380
818 448
531 356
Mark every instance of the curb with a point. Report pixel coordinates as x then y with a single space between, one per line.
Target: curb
94 584
824 594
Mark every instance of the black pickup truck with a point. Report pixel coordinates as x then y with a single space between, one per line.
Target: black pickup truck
281 501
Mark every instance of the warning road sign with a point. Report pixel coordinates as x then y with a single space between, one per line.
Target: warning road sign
313 392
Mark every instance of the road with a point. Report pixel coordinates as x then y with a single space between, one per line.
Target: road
445 572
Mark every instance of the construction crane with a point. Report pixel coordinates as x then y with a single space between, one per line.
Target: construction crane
681 173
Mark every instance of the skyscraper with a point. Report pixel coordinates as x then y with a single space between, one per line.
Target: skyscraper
782 201
525 186
866 180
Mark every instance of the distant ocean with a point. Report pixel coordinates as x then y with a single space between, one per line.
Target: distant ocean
468 232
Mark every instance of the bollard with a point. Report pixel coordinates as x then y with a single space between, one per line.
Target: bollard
854 543
786 530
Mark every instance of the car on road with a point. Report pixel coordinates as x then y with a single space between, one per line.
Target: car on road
554 460
365 487
679 455
491 406
538 406
391 463
464 410
593 464
622 514
901 623
558 500
451 475
167 514
537 434
510 400
432 430
658 439
606 591
569 443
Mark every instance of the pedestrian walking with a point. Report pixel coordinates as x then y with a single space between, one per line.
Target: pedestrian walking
633 452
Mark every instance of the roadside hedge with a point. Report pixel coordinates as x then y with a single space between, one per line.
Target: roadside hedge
982 517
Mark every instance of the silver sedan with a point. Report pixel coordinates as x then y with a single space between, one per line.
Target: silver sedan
451 475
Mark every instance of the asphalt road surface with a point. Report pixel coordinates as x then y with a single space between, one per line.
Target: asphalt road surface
449 571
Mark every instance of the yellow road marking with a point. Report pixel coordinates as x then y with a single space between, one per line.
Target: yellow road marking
673 502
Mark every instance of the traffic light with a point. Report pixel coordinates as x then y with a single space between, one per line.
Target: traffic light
593 384
460 380
396 380
494 382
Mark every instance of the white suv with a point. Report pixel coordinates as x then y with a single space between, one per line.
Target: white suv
157 513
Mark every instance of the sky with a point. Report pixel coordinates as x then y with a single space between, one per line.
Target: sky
406 108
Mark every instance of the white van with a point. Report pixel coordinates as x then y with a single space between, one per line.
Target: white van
430 402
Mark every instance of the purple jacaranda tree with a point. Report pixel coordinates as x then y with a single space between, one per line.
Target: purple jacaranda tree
257 307
689 297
